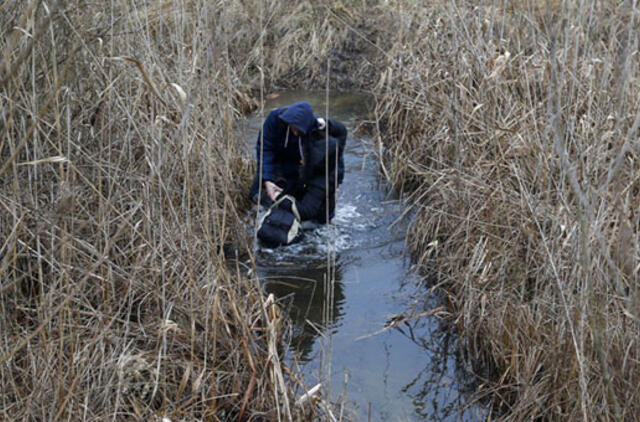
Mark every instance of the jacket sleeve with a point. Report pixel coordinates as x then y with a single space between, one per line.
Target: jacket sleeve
270 135
339 131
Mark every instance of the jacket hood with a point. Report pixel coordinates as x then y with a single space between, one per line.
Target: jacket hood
300 115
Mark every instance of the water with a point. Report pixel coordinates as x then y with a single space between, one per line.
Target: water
395 370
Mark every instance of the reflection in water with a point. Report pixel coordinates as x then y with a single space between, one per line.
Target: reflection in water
405 373
303 293
437 390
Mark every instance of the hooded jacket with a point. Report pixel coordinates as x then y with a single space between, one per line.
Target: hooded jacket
280 147
311 191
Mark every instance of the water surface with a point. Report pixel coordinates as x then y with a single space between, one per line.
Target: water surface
395 370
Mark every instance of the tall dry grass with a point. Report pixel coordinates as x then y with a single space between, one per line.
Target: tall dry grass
513 126
122 185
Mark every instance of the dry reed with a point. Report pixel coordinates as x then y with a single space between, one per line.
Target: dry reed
122 187
513 129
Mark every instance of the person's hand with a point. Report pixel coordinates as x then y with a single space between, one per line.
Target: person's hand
273 190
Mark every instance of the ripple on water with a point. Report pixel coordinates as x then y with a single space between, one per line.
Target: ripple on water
348 215
405 373
338 237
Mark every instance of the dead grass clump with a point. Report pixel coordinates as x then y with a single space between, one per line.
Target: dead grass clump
514 131
301 38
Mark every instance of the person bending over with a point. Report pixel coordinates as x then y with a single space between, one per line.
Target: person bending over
280 149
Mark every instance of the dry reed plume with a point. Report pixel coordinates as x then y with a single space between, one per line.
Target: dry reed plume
513 126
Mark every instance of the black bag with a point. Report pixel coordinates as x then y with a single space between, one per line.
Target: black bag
278 225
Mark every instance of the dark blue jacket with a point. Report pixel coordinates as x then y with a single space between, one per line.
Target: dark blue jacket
312 190
315 152
281 147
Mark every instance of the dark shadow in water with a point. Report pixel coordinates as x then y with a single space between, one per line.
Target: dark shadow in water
303 294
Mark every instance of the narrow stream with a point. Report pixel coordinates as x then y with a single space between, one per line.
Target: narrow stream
405 372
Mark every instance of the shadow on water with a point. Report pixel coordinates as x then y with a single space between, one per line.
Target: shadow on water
398 368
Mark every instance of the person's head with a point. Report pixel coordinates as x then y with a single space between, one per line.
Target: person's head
295 131
300 118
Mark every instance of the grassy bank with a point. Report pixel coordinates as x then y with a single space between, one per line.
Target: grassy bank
513 127
122 196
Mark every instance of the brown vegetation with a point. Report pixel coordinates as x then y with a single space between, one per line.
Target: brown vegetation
121 194
515 133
